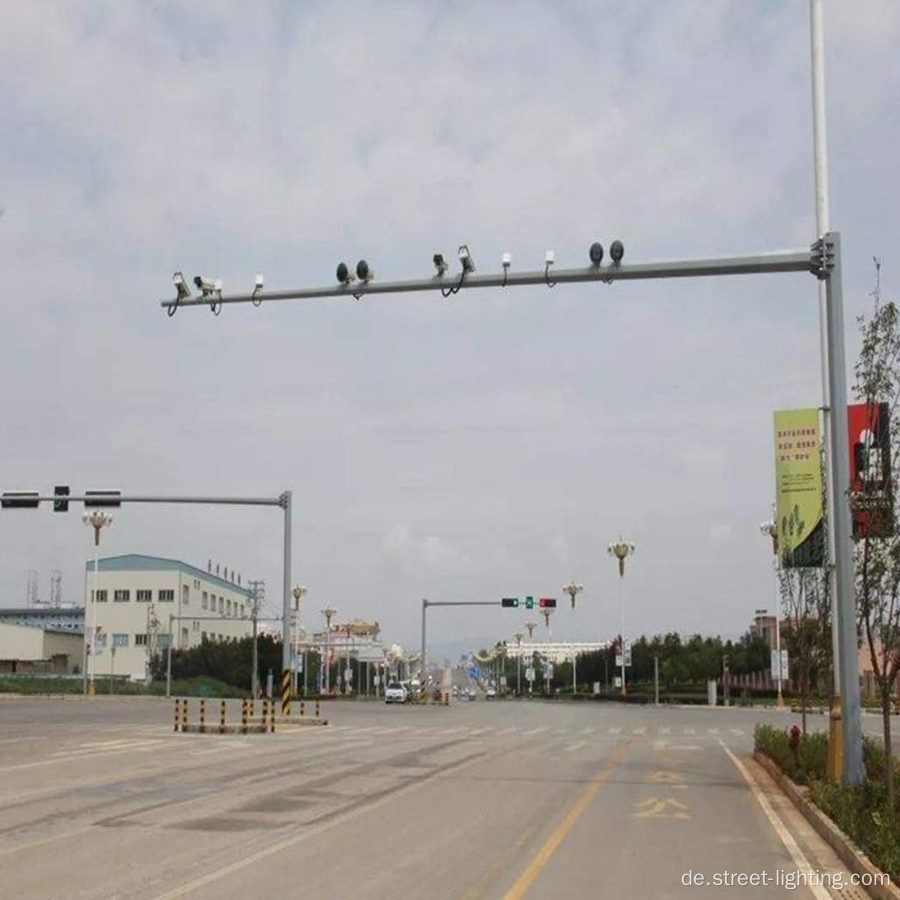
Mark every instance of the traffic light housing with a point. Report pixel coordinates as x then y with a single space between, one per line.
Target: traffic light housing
61 490
20 500
529 603
547 602
102 498
511 602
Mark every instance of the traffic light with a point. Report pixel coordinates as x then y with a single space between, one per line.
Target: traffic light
102 498
61 490
529 603
512 602
19 500
547 602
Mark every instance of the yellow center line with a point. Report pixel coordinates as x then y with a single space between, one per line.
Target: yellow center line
551 845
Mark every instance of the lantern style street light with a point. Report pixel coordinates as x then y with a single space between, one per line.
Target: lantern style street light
621 550
98 520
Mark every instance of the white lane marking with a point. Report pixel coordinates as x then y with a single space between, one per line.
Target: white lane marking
737 731
561 732
689 731
639 731
20 740
535 731
664 730
508 731
120 746
573 747
587 730
72 757
800 861
615 730
479 731
712 730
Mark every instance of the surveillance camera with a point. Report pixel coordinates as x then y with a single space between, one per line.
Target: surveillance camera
596 253
208 285
506 260
183 291
549 258
616 252
344 275
440 264
363 272
468 264
259 283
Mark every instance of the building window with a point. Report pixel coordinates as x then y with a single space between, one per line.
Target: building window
205 600
185 594
143 595
227 607
101 596
120 640
166 596
184 637
122 595
100 642
221 606
163 641
140 640
203 636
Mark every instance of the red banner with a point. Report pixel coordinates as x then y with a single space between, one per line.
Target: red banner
871 487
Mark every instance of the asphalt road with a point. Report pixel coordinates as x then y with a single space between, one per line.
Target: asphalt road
499 800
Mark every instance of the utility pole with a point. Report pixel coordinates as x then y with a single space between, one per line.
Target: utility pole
328 612
656 680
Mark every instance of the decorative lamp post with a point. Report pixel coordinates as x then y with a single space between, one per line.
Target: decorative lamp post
329 613
770 529
98 520
530 626
621 550
518 636
297 591
573 590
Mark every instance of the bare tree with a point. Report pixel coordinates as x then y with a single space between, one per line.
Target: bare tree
878 544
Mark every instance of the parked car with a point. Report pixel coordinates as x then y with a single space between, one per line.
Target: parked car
490 694
395 693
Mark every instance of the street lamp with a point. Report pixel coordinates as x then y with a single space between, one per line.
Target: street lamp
518 636
297 591
97 520
531 626
770 530
547 612
621 550
328 612
573 590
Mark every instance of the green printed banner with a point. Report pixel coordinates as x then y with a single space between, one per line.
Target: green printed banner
798 489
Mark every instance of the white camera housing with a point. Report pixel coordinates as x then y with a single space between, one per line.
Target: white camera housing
506 260
259 283
465 258
549 258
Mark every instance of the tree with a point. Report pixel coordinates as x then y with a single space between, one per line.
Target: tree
878 549
801 591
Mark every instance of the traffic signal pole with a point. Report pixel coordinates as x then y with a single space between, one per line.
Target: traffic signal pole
15 499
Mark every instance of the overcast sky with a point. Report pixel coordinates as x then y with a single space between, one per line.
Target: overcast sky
486 445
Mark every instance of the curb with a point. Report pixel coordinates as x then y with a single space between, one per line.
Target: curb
846 849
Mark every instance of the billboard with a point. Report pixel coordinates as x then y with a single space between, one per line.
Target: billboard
798 489
871 487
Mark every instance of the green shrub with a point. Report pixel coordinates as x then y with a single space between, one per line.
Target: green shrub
861 812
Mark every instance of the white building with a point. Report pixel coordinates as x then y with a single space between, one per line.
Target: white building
554 651
29 650
142 600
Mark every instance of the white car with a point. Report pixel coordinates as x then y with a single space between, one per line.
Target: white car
395 693
490 694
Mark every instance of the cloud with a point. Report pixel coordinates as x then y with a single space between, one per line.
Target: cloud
510 434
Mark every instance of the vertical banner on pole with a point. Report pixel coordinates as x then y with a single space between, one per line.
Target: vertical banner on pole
798 489
871 487
286 692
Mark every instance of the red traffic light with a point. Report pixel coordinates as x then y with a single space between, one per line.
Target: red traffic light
547 603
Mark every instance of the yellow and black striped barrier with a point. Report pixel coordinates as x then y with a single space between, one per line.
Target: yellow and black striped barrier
184 715
222 718
177 711
302 707
318 710
286 692
244 705
202 717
